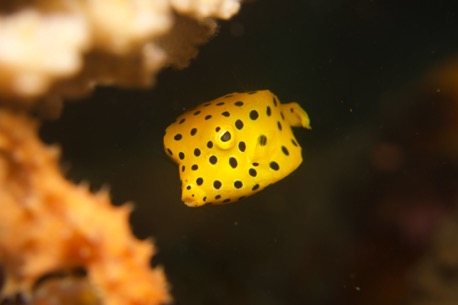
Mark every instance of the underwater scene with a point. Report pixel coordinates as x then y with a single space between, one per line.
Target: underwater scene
308 154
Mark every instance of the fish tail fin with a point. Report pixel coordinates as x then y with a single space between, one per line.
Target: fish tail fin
295 115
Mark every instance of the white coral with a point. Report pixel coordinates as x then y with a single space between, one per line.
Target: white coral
35 48
120 25
207 8
52 49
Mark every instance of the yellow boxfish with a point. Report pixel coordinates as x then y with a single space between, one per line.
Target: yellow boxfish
234 146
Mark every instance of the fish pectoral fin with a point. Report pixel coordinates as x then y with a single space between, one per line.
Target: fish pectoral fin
295 115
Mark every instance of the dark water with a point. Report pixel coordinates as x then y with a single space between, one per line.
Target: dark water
356 222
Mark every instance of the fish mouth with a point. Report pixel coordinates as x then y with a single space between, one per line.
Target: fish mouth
191 202
193 199
193 196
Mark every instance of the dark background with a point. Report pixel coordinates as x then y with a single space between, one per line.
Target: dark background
350 225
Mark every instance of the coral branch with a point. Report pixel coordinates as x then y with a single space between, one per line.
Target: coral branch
48 224
50 49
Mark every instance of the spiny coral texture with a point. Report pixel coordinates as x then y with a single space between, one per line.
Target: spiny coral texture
48 224
54 48
65 289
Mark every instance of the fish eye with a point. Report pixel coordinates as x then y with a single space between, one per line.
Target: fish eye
225 137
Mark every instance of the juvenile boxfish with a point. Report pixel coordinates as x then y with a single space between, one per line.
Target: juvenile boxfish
234 146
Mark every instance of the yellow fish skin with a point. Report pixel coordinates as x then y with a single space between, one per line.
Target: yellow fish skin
234 146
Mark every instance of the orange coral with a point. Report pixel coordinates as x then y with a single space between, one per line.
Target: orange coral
48 224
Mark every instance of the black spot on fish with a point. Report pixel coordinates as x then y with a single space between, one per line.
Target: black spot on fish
217 184
255 187
239 124
197 112
208 117
285 150
252 172
274 165
262 140
238 184
193 131
199 181
279 126
169 151
209 144
178 137
213 160
196 152
238 103
254 115
194 167
181 155
226 113
268 111
242 146
220 104
233 162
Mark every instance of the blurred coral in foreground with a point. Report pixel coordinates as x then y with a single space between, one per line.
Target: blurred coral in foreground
48 224
60 243
435 278
416 161
51 49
